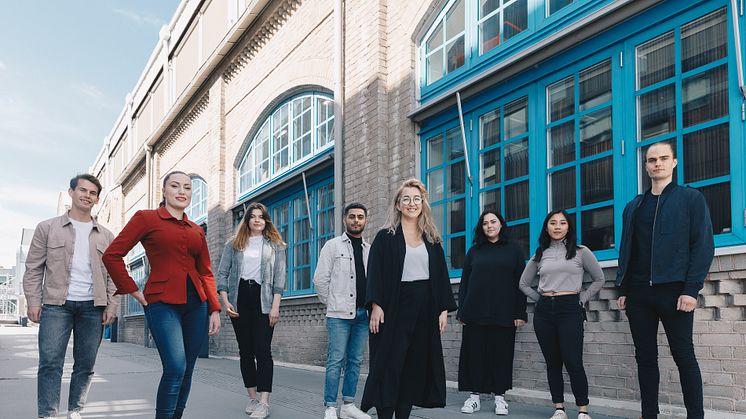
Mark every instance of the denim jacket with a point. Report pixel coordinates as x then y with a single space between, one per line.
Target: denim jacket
334 278
683 245
273 273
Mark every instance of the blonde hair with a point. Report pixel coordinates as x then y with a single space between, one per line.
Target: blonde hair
238 241
425 220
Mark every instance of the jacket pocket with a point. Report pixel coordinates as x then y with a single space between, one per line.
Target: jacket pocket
56 250
155 286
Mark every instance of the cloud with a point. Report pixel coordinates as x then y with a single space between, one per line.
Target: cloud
3 66
140 18
93 95
27 128
22 208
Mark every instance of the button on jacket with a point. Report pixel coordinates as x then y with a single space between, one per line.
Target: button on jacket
335 279
50 257
176 250
273 273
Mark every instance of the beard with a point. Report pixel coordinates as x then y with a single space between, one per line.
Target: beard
354 230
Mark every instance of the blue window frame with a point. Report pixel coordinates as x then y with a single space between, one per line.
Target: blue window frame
289 213
197 210
137 267
295 131
586 126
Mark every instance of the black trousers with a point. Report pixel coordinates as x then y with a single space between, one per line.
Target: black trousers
254 337
645 307
558 323
402 412
486 359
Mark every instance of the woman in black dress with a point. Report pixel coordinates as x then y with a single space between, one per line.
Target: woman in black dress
409 296
491 307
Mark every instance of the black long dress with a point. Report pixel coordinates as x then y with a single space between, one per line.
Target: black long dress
406 356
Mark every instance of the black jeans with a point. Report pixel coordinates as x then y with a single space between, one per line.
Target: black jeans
254 337
645 307
402 412
558 323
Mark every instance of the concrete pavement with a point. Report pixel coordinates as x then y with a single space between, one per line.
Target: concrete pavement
127 377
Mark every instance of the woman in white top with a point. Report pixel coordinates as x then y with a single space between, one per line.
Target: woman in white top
409 296
251 280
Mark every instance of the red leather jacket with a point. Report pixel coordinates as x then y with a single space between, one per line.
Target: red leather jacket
176 250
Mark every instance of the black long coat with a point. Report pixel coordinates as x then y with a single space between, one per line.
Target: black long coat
385 266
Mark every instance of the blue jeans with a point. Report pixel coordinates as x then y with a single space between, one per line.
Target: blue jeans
346 341
83 319
178 331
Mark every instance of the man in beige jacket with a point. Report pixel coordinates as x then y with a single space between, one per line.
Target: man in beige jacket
69 291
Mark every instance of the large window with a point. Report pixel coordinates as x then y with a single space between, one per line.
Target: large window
444 46
573 136
197 210
682 96
294 132
580 162
499 21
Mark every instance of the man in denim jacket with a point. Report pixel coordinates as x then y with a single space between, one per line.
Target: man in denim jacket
69 291
666 251
340 281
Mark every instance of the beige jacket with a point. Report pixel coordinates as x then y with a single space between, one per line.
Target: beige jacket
49 259
334 278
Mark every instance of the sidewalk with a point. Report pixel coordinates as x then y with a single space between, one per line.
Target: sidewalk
127 377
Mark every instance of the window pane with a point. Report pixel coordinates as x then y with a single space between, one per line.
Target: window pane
454 143
598 228
657 112
555 5
595 133
456 252
435 66
490 128
436 185
561 99
435 151
491 200
707 153
516 159
302 279
595 85
488 6
490 167
703 41
597 181
563 189
516 201
516 118
705 96
438 217
655 60
515 19
455 20
456 177
519 234
455 54
718 201
456 216
562 143
436 39
489 30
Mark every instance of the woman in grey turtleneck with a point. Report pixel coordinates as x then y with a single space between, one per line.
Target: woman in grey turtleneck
560 264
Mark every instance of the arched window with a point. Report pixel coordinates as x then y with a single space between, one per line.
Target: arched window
293 133
197 210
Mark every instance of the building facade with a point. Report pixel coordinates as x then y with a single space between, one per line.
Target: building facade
519 105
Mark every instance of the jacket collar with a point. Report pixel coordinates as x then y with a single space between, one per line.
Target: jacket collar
347 239
66 220
164 214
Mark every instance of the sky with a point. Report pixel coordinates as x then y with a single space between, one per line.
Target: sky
65 70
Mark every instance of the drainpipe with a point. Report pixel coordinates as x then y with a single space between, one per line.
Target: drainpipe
149 174
339 98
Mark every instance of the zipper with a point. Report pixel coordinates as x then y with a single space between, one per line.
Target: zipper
652 240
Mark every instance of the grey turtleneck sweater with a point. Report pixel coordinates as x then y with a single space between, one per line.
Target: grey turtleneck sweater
558 274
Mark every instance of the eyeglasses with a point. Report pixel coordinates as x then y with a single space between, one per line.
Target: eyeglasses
406 200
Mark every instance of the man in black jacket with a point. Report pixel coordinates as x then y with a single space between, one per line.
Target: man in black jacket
666 251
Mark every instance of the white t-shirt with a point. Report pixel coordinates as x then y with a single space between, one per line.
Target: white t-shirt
252 259
81 276
416 264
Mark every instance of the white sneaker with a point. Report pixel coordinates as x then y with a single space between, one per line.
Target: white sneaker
350 411
74 415
501 406
559 414
471 405
583 415
261 411
330 413
251 406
